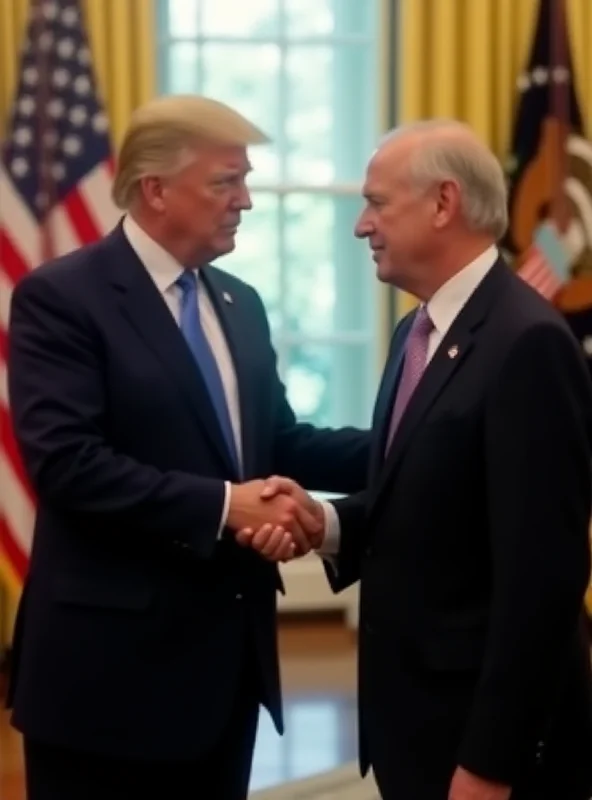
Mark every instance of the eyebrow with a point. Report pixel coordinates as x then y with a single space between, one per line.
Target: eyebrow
231 172
373 195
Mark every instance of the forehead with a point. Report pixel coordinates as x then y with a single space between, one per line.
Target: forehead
219 159
230 157
385 170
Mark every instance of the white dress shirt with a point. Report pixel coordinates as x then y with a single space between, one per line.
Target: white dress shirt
164 270
443 308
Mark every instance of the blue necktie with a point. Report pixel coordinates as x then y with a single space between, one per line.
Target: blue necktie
195 337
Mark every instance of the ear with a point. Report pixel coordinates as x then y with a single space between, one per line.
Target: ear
153 190
447 203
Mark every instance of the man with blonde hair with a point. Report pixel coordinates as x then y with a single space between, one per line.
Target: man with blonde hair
148 409
471 540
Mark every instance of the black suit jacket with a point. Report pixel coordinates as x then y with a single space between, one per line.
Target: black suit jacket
136 620
471 543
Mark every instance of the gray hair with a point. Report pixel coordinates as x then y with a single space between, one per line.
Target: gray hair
465 160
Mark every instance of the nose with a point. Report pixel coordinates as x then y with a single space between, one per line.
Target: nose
363 226
243 200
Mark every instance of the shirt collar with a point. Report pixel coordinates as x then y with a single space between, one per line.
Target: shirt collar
445 305
163 268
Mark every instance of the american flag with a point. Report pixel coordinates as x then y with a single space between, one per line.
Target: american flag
547 110
55 181
537 273
546 264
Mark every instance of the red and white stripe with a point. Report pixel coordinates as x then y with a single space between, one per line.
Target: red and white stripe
85 215
537 272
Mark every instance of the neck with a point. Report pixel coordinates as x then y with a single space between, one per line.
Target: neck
173 242
448 262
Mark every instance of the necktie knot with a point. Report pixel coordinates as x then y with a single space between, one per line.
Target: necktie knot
422 324
187 281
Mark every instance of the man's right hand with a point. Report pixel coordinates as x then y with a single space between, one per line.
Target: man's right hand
251 508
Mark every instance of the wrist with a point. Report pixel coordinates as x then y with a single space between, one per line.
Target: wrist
235 517
318 538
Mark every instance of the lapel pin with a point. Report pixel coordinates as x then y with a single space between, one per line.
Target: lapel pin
453 351
227 298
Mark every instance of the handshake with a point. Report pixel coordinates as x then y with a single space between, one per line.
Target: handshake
276 517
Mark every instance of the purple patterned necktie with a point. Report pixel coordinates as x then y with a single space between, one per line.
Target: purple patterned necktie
416 352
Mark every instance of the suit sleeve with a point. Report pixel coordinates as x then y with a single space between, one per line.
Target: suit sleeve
538 494
343 568
319 459
58 400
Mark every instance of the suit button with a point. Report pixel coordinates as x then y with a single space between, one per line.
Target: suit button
369 551
239 596
368 628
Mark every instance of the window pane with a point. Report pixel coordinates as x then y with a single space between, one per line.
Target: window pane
182 70
183 17
242 18
256 257
314 737
329 17
332 384
246 78
330 278
331 118
309 119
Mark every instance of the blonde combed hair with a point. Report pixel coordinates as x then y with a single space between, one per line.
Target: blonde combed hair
164 133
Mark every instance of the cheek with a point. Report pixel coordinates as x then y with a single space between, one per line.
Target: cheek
216 209
186 208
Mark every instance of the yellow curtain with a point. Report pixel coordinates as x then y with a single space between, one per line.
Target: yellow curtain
122 35
122 38
461 59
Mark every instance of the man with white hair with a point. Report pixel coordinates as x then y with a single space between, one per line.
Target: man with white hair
148 408
471 539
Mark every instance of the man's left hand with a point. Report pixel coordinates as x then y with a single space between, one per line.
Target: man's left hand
466 786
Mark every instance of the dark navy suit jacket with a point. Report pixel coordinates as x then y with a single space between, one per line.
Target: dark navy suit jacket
472 551
136 619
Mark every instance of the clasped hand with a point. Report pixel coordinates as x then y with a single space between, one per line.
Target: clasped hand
276 517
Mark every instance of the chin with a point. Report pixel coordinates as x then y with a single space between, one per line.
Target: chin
224 248
384 272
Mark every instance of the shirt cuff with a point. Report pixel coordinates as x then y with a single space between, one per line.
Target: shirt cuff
332 538
225 509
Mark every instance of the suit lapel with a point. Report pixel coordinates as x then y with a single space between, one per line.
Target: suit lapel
235 325
386 395
451 356
143 306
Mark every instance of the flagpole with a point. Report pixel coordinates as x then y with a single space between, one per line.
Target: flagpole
46 146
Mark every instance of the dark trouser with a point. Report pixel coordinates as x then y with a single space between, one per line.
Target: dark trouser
54 773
